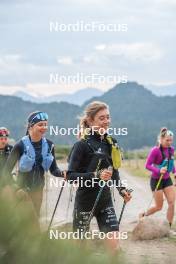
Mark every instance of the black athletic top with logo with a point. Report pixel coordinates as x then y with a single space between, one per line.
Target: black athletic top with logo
34 178
82 165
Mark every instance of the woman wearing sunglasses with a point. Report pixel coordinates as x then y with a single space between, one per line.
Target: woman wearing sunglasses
160 162
5 148
35 156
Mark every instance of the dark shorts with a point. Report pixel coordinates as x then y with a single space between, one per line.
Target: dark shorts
163 184
105 216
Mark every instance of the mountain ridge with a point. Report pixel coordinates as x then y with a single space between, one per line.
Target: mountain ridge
132 106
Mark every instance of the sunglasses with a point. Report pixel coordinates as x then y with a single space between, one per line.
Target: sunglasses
168 133
4 133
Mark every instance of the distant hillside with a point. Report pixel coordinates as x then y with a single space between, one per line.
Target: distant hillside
77 98
131 106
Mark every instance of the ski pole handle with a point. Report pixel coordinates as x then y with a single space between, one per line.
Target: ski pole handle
130 190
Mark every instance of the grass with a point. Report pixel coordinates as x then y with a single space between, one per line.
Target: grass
21 242
136 167
62 152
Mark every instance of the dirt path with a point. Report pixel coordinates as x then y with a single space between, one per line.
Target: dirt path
155 251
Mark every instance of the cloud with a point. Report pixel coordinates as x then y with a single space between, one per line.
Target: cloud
91 59
13 63
144 52
15 71
166 2
9 89
29 52
65 60
9 63
101 47
44 89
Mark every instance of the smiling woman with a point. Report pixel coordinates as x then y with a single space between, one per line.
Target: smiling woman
35 156
96 156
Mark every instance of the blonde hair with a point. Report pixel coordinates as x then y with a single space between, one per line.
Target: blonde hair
89 113
163 133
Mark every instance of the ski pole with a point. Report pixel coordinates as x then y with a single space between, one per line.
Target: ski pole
121 214
123 207
69 200
62 187
95 203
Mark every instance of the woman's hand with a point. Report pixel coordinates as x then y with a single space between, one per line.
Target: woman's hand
64 173
105 174
163 170
126 196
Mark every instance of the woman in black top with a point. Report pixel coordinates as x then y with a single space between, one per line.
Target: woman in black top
35 155
91 156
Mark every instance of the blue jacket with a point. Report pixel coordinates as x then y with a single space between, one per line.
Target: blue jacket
28 159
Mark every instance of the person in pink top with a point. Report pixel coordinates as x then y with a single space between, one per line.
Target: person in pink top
160 161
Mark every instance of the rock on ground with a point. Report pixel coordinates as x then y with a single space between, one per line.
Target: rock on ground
148 228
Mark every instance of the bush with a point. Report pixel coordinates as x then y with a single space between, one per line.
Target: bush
21 242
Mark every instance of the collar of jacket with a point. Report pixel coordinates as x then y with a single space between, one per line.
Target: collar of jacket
97 136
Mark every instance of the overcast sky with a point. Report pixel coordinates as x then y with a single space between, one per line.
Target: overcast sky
29 52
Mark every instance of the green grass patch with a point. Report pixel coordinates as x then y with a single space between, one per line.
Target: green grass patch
62 151
21 242
136 167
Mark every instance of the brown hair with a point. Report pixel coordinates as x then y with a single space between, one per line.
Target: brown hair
89 113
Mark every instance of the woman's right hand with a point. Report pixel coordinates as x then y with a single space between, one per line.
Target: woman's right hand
163 170
105 174
64 173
